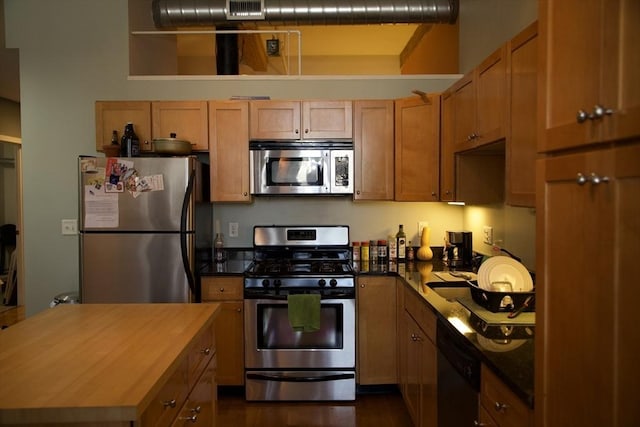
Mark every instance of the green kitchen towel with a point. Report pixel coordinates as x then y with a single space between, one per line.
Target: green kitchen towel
304 312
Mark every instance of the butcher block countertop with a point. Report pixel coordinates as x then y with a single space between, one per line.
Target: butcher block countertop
94 363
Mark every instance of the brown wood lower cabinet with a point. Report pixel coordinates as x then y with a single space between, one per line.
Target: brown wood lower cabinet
418 357
499 407
377 342
229 327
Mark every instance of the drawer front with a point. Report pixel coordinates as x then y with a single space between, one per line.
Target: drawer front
221 288
167 403
421 313
501 404
200 353
199 409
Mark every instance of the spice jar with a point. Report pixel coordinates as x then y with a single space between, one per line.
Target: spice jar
382 251
364 251
373 251
355 251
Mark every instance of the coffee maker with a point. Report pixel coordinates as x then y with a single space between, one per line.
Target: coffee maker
458 250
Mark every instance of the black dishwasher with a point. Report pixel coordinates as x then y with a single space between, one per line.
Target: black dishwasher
458 378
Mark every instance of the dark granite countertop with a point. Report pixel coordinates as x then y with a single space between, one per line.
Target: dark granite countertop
511 360
513 363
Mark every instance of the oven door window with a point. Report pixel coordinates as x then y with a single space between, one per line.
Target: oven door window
275 331
302 171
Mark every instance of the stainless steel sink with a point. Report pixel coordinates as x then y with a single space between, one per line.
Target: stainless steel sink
450 291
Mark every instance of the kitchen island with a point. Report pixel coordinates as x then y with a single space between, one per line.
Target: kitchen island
110 365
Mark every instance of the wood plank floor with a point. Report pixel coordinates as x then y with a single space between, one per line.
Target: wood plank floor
369 409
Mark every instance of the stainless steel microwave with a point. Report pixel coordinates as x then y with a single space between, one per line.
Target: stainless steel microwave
289 168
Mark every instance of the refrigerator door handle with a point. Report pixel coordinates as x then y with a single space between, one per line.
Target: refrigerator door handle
183 237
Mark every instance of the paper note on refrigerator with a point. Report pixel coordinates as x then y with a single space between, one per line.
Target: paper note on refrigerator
100 208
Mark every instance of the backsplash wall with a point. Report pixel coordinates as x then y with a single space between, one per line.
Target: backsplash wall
367 220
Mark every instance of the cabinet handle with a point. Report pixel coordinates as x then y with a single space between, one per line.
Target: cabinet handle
239 310
582 116
193 418
306 131
500 407
415 337
206 351
595 179
169 403
358 192
245 194
362 285
297 131
599 112
472 137
221 289
477 423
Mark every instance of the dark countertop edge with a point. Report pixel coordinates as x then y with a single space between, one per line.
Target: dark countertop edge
438 305
238 260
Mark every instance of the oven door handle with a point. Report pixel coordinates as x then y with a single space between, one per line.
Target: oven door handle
342 295
284 378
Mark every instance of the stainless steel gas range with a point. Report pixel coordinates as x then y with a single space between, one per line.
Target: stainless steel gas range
286 364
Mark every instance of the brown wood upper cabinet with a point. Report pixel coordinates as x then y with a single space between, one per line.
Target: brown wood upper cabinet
187 119
480 102
292 120
417 148
522 75
229 151
153 119
114 115
589 87
373 145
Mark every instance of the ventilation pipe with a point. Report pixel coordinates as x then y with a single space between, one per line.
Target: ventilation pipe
230 13
185 13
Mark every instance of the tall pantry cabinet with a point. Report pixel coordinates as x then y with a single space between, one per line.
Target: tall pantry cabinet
588 213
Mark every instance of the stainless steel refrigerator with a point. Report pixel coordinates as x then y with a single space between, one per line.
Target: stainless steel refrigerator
137 229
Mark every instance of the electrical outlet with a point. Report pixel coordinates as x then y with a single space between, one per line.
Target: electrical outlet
233 229
69 227
487 235
421 225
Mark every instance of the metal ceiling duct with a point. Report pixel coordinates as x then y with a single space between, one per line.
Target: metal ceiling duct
186 13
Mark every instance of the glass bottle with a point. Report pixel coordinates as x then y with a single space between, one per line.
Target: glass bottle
401 238
130 146
114 137
218 246
410 253
355 251
382 252
393 248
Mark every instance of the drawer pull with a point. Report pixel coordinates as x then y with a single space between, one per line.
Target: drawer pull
477 423
500 407
221 289
206 351
193 418
169 403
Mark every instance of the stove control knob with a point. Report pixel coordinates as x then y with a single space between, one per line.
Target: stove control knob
265 283
277 283
333 283
322 283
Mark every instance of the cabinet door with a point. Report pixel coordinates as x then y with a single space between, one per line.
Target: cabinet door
229 151
464 104
587 250
373 145
275 120
491 100
377 344
447 150
594 64
200 406
113 115
230 344
417 150
521 137
327 119
187 119
410 363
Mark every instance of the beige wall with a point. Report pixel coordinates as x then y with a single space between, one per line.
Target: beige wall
66 68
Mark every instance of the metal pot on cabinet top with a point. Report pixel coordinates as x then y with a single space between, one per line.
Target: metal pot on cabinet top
172 146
